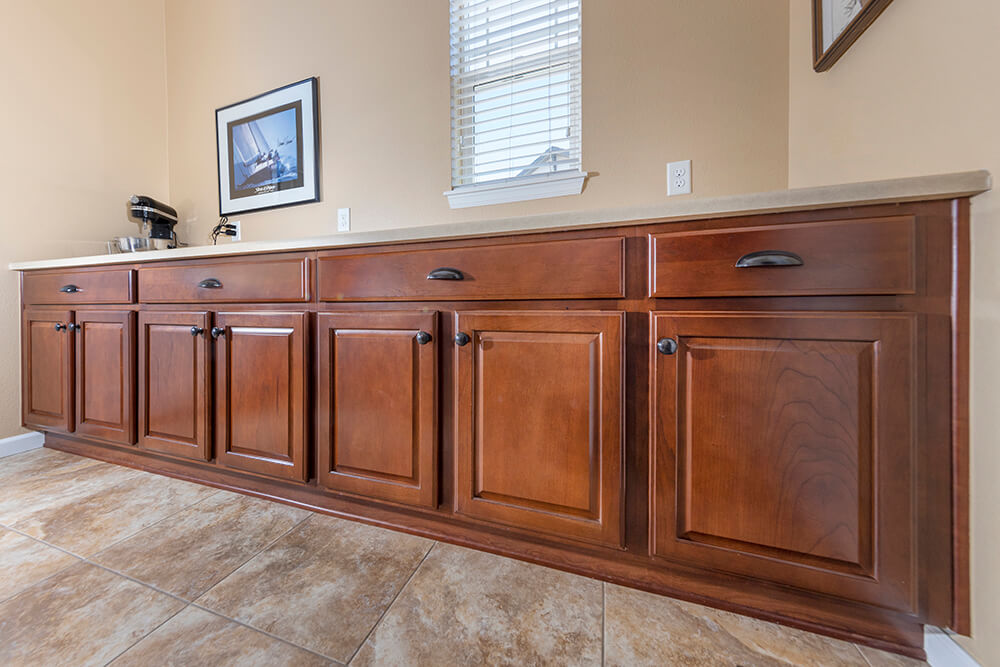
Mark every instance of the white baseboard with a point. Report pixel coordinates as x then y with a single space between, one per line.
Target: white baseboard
943 651
21 443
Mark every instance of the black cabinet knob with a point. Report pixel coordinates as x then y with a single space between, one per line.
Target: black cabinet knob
423 337
666 345
60 326
461 339
197 331
218 331
73 327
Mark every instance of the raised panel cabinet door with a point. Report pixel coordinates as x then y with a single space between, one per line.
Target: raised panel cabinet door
47 369
261 389
377 404
105 375
783 449
175 384
539 440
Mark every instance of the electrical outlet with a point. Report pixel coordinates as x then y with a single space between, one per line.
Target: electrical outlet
239 231
343 219
679 178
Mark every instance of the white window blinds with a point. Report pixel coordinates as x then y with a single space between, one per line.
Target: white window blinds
515 89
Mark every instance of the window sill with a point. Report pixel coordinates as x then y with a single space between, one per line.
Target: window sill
559 184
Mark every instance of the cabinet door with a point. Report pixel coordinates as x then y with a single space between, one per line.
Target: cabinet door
260 411
539 442
47 370
377 407
105 375
174 384
782 448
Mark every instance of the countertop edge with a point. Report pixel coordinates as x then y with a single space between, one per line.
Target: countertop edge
900 190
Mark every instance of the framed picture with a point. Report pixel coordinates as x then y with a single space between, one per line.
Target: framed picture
268 150
837 24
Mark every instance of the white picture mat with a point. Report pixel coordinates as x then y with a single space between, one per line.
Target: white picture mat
307 192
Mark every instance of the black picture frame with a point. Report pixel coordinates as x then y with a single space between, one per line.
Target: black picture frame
267 149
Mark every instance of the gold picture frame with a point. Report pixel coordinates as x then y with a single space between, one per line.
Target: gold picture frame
837 24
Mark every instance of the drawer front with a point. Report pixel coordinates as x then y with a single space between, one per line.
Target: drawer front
254 280
69 287
868 256
577 269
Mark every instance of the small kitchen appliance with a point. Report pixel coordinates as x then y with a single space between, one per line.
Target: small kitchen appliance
158 222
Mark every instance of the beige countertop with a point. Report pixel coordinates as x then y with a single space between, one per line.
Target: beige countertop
920 188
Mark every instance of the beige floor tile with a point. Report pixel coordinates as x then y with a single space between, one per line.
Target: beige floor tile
81 616
85 524
465 607
323 586
40 462
877 658
196 638
646 629
24 562
193 550
61 487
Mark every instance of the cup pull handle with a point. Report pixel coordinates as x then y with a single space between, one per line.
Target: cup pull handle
69 289
210 283
768 258
444 273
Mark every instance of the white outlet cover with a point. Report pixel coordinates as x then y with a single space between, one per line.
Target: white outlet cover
239 231
343 219
679 178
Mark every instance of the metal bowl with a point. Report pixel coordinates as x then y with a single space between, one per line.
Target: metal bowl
130 243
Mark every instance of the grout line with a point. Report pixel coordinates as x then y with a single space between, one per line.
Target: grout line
390 605
152 525
604 622
141 639
250 558
264 632
863 656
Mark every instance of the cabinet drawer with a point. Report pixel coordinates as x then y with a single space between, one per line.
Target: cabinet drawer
868 256
254 280
68 287
578 269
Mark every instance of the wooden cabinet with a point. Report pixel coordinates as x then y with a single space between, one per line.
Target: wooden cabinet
783 448
539 423
175 384
105 375
377 404
261 392
47 369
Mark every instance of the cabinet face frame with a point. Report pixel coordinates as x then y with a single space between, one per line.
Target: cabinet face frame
198 383
121 431
57 352
887 541
370 476
285 334
601 333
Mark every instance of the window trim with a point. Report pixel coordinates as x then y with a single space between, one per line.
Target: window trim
524 188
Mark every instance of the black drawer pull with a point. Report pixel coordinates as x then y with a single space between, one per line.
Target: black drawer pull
423 338
768 258
197 331
218 331
69 289
210 283
444 273
60 326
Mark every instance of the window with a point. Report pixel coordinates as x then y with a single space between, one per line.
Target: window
515 100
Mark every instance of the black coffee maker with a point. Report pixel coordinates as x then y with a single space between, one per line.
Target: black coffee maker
157 219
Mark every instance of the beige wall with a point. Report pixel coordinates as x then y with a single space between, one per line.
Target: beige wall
84 121
918 94
384 104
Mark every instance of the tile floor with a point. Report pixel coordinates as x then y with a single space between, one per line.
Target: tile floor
107 565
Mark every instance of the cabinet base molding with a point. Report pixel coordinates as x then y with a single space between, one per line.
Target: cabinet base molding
863 624
16 444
